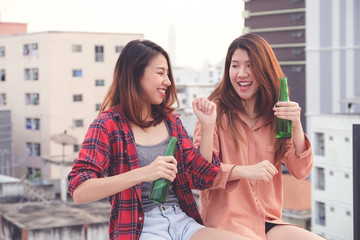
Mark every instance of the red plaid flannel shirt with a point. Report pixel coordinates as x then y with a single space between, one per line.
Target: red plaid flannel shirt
109 149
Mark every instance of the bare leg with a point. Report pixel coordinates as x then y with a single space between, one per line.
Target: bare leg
285 232
216 234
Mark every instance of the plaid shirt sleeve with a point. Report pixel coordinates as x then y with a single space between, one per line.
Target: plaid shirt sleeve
108 150
200 173
93 159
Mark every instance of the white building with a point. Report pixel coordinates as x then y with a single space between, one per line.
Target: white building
332 176
332 93
332 55
54 82
191 84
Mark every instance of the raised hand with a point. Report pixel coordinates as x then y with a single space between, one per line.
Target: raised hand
289 111
205 111
161 167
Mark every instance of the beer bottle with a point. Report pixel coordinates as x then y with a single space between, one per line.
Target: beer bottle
283 126
160 188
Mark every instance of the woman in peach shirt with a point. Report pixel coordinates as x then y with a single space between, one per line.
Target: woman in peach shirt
246 196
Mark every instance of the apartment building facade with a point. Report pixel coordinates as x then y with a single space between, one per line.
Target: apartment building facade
282 24
332 175
54 82
333 107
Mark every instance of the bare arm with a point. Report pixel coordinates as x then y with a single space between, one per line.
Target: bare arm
205 111
261 171
98 188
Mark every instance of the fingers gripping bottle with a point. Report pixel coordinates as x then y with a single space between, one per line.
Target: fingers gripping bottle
283 126
160 188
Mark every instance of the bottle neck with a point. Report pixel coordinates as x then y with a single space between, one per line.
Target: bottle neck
283 91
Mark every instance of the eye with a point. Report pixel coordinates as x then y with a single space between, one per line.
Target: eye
234 66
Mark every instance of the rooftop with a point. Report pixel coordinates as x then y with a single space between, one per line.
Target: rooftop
41 215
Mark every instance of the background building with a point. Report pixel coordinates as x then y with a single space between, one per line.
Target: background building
5 140
57 84
191 84
333 97
332 175
282 24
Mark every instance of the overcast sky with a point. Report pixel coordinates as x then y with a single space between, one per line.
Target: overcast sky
203 28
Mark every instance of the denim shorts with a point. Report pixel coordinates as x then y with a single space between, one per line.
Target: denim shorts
168 223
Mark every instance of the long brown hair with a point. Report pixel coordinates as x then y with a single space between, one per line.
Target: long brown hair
267 72
126 90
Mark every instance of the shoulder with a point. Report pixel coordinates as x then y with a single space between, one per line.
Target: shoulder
111 118
174 118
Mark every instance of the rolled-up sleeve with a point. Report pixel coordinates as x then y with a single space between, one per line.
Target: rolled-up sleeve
300 167
93 157
221 179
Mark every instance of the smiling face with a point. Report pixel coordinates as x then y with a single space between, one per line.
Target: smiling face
241 76
155 80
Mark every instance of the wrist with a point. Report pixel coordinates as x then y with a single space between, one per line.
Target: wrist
205 127
237 173
140 174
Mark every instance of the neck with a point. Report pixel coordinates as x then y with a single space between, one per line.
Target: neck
249 107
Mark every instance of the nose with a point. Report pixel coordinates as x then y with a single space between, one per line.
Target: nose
242 72
167 81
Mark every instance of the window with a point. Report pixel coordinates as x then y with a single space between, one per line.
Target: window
118 49
2 75
78 123
30 49
77 73
99 53
180 90
297 69
2 52
28 123
32 99
320 178
297 51
297 34
320 213
297 16
77 147
2 99
319 144
33 173
77 98
31 73
97 106
33 149
76 48
32 123
99 82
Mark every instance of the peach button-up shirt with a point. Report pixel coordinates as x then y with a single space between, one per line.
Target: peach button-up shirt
243 206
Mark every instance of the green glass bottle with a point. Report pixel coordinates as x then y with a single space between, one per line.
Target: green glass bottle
160 188
283 127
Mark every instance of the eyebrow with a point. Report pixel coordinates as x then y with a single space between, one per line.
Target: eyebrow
247 61
161 68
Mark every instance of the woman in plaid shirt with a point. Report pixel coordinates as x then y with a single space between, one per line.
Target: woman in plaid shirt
121 152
